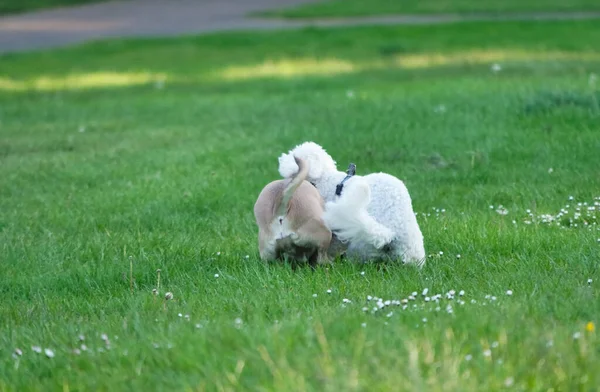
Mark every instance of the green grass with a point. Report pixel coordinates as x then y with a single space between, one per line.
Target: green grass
18 6
339 8
153 152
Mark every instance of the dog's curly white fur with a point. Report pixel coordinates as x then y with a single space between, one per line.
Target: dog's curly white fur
374 214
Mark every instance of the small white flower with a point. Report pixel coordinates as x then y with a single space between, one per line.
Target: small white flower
590 281
168 295
81 338
104 337
362 273
198 326
76 351
458 256
491 207
427 299
473 301
495 344
49 353
502 211
390 314
365 309
440 109
218 253
550 343
346 301
216 275
468 357
493 298
187 317
441 253
328 291
509 382
315 295
461 292
36 349
576 335
508 292
18 352
247 257
238 321
388 302
369 298
83 347
487 352
496 67
179 314
364 325
411 297
82 129
425 291
414 294
424 319
571 198
350 94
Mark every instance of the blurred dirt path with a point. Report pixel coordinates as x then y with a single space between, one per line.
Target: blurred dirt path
158 18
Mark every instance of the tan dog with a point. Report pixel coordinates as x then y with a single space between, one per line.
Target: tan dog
288 214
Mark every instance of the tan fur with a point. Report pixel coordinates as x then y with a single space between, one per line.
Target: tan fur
288 214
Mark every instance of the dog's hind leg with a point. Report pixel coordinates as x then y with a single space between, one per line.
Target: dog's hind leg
314 233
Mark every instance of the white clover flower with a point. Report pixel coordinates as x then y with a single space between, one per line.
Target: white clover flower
509 382
315 295
589 281
576 335
496 67
468 357
362 273
18 351
83 347
346 301
424 319
441 253
390 314
509 292
427 299
458 256
364 325
238 321
550 170
425 291
247 257
81 338
495 344
168 295
76 351
487 352
461 292
365 309
49 353
36 349
179 314
404 301
216 275
218 253
328 291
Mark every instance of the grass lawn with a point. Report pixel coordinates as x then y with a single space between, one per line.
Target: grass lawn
337 8
121 158
16 6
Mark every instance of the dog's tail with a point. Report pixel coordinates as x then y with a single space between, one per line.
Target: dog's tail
348 218
291 187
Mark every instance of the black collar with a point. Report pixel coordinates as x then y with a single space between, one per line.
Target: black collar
349 173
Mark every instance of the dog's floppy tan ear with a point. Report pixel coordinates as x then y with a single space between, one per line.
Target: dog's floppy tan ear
287 165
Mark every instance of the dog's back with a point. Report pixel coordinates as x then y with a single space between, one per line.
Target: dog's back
289 217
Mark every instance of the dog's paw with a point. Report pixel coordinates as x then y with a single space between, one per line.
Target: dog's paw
385 237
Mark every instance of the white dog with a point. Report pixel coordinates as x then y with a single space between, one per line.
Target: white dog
374 213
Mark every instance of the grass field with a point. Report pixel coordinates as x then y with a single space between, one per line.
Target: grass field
17 6
338 8
121 158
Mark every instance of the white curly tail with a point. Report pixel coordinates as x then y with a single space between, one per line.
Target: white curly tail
348 218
